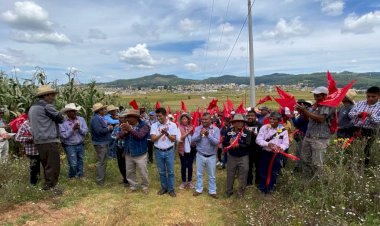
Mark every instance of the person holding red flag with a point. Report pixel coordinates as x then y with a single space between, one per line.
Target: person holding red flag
317 137
240 138
366 118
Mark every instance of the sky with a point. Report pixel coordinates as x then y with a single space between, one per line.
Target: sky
105 40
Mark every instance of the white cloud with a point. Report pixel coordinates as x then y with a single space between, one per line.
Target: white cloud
192 67
54 38
187 25
15 70
332 7
137 56
285 29
366 23
13 57
28 16
226 27
94 33
72 69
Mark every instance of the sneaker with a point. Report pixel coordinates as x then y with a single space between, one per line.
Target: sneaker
218 163
172 194
182 186
162 192
190 185
197 194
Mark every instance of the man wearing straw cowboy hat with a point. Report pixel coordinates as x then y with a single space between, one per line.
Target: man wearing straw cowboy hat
101 136
73 131
44 119
237 142
345 125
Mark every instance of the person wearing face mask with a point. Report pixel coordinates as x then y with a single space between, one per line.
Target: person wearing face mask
253 126
272 138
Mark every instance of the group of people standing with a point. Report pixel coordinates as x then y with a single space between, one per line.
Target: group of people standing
255 144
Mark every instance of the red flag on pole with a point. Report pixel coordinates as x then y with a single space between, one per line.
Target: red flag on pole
158 105
283 94
286 102
331 83
263 100
134 105
195 119
183 106
230 105
213 106
240 109
333 100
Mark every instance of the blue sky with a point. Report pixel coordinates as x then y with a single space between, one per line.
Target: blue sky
120 39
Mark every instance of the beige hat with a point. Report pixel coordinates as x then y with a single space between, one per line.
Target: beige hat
111 108
71 107
133 112
351 94
237 118
98 106
44 90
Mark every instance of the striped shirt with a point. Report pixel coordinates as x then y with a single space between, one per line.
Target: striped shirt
24 136
317 129
371 122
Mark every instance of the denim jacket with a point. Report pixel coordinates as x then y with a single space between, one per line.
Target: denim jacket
136 140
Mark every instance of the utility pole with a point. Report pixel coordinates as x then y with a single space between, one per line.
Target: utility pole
252 96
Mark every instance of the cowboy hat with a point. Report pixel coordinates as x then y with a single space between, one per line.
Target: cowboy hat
44 90
133 112
305 102
112 108
350 95
70 107
238 118
98 106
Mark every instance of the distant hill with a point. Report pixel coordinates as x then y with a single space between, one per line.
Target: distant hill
363 80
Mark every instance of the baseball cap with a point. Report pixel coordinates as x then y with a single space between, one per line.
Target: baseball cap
320 90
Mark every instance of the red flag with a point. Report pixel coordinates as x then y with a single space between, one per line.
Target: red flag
283 94
230 105
333 100
331 83
17 122
212 104
168 109
183 106
286 102
176 116
158 105
240 109
263 100
134 105
195 119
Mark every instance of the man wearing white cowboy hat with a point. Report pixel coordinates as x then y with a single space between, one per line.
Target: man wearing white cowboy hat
112 116
345 124
73 131
237 141
135 133
44 119
101 137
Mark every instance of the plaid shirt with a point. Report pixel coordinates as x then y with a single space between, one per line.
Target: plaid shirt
371 122
115 133
24 136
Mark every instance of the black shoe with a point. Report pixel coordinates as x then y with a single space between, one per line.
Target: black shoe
172 194
240 194
162 192
197 194
214 196
229 194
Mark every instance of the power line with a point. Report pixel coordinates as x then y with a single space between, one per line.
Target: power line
225 18
209 27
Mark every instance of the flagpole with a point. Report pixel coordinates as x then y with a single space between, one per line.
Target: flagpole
252 99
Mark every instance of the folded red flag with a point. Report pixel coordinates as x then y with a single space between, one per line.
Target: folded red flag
264 99
240 109
230 105
334 99
134 105
331 83
283 94
290 103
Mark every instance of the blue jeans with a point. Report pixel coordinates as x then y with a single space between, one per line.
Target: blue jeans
264 167
165 166
210 164
75 154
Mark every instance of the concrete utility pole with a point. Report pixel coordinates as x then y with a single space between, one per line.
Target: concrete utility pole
252 95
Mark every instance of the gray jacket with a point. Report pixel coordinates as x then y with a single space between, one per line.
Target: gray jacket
44 120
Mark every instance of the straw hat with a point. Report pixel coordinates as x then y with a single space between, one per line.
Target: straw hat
70 107
185 115
133 112
44 90
350 95
238 118
98 106
112 108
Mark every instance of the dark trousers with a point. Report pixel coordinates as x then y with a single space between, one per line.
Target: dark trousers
121 163
187 166
34 168
370 135
254 161
150 151
220 154
50 159
264 167
345 133
237 166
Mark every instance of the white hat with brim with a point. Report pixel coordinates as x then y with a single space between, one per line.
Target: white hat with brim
133 112
320 90
112 108
70 107
98 106
44 90
238 118
350 95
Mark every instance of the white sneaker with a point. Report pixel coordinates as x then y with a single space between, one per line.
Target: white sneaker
182 186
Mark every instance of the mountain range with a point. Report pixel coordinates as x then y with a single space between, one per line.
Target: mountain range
363 80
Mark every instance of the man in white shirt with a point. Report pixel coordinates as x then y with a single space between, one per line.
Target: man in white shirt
164 135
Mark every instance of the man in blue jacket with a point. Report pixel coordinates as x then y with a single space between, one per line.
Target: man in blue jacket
136 133
101 136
